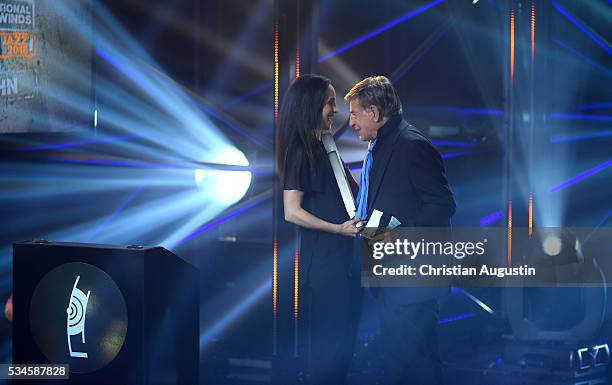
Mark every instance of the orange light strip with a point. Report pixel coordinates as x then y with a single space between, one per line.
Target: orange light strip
275 277
532 31
511 47
297 63
530 214
296 297
509 233
296 274
275 244
276 73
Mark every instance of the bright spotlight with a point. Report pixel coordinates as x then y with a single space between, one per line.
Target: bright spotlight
225 186
563 246
552 245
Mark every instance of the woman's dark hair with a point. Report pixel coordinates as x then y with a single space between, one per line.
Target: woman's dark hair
300 116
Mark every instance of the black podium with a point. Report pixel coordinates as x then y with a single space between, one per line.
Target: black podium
114 314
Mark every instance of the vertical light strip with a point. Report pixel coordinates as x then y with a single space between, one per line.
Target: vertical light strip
511 47
296 263
275 244
532 31
296 280
276 73
532 111
510 233
275 277
530 214
274 299
296 295
297 62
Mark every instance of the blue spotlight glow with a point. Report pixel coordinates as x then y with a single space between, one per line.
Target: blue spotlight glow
580 177
78 143
491 218
455 318
120 163
136 223
452 143
574 138
179 138
449 155
598 40
478 302
471 111
171 100
109 218
231 125
248 95
231 214
557 115
599 224
226 187
595 106
227 319
604 219
414 58
583 56
21 183
378 31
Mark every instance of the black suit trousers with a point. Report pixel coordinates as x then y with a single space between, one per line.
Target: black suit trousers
410 344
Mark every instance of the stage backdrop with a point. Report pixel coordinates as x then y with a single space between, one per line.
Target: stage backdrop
45 65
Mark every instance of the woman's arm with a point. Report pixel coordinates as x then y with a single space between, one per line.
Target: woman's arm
294 213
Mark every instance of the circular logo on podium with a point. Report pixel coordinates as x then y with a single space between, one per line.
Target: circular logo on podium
78 316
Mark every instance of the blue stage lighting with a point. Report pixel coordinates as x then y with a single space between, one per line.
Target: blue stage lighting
557 115
574 138
235 312
580 177
248 95
583 56
236 210
593 36
491 218
455 318
449 155
595 106
484 306
452 143
380 30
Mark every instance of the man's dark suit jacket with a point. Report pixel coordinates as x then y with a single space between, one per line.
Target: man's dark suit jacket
408 181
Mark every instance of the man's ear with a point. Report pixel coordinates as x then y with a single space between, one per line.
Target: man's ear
375 113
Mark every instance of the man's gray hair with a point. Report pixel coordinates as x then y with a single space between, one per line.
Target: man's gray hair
377 91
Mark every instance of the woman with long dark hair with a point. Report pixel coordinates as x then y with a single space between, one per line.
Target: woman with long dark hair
312 200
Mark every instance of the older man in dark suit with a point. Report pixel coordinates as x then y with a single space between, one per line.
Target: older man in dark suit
403 176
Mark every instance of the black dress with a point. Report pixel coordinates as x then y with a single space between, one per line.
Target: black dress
329 271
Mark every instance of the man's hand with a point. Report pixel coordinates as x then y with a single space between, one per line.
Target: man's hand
8 309
387 236
349 228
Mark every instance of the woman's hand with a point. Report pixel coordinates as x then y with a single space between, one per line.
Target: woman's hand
294 213
8 309
348 228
